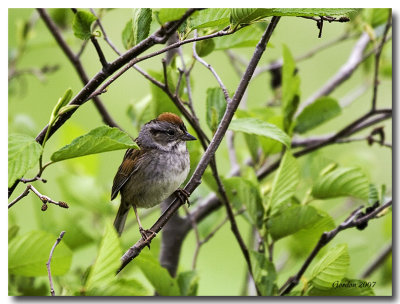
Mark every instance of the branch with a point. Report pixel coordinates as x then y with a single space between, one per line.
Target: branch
353 220
208 66
134 61
377 57
45 199
49 261
195 180
377 262
354 60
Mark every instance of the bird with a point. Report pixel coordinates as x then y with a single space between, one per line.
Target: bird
147 176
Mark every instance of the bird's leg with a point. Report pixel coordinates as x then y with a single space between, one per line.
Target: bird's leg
146 234
183 195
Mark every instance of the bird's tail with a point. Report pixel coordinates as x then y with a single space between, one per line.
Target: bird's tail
120 219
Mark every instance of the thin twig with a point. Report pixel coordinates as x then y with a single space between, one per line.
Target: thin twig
49 261
352 220
195 179
377 59
45 199
377 262
208 66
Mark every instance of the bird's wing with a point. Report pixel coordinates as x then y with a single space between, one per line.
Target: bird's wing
126 169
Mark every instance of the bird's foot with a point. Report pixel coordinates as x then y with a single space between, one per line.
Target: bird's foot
183 195
147 235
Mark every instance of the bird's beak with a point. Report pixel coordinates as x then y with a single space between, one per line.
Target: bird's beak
187 137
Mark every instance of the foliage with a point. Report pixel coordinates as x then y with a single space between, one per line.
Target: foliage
282 201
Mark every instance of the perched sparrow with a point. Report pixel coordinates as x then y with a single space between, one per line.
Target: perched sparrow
148 176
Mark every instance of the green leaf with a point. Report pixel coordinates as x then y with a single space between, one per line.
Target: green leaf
246 37
246 15
137 28
188 283
216 105
308 12
331 267
317 113
127 35
210 17
29 253
205 47
170 14
264 274
342 182
285 181
121 287
141 23
290 89
23 153
373 195
158 276
345 287
376 16
259 127
82 23
101 139
107 262
12 232
291 220
67 108
243 192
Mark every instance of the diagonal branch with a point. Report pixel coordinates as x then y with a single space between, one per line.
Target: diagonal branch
195 180
353 220
49 261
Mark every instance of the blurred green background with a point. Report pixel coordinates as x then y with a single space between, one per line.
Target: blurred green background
85 183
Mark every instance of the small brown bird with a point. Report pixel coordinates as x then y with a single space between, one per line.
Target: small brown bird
148 176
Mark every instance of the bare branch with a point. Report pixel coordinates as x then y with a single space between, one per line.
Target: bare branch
377 59
45 199
378 261
49 261
208 66
353 220
354 60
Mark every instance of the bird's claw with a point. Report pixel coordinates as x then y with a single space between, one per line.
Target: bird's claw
183 195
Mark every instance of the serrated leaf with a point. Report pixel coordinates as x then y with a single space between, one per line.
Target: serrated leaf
373 195
342 182
137 28
107 262
317 113
331 267
188 283
246 15
264 273
291 220
308 12
121 287
215 105
290 89
345 287
158 276
81 24
29 253
210 17
170 14
101 139
285 181
259 127
242 192
23 153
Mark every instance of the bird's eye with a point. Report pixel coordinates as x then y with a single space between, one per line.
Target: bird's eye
171 132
